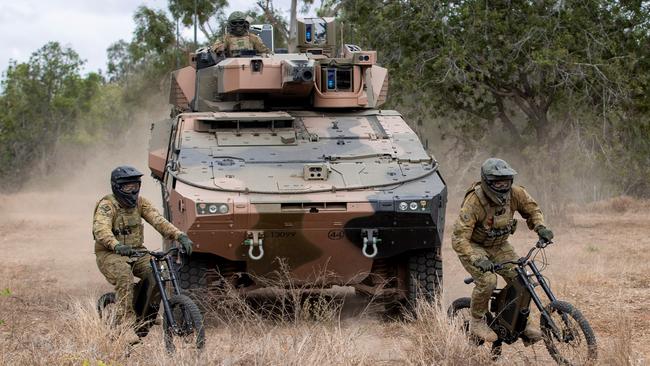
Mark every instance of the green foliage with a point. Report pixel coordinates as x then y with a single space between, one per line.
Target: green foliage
154 32
6 292
41 99
209 11
521 78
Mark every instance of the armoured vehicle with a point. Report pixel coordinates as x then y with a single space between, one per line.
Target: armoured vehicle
287 158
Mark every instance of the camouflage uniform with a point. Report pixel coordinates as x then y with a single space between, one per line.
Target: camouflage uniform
113 224
232 45
482 230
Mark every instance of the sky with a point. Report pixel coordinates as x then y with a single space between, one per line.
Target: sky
86 26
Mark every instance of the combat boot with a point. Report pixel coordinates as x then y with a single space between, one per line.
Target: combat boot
531 335
479 328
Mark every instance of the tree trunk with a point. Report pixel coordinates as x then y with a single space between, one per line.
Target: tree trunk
293 25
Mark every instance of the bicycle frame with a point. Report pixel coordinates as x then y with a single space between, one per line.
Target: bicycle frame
511 304
161 259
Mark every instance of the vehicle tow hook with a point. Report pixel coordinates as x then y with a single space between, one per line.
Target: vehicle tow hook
255 239
370 239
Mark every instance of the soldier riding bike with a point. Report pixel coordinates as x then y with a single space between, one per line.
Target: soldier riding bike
118 232
480 237
567 334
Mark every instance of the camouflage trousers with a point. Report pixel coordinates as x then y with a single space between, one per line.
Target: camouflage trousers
486 282
119 272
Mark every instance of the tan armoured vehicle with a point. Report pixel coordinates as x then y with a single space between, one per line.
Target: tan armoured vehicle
287 158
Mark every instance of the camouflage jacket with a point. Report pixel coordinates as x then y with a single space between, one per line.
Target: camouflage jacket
113 224
232 45
474 216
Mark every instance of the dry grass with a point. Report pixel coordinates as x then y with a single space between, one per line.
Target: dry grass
47 314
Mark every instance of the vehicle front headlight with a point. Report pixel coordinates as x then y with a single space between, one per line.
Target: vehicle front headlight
418 205
212 208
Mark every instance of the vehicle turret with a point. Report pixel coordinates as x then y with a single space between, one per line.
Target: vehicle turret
312 78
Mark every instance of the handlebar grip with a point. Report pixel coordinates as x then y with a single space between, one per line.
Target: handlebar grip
139 253
541 243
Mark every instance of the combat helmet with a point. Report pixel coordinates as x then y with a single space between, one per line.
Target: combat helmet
120 176
494 170
238 24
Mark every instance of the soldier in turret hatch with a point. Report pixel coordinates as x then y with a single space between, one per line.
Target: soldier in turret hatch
238 38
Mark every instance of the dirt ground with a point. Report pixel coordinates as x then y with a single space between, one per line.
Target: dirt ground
49 282
599 263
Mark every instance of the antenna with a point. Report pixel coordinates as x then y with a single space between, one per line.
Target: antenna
177 45
342 25
196 20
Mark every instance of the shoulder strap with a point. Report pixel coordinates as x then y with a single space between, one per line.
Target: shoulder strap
139 205
481 197
108 197
469 191
485 202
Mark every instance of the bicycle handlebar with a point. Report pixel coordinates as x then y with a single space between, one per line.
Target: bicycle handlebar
541 244
158 255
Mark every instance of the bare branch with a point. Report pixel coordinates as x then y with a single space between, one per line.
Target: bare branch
270 16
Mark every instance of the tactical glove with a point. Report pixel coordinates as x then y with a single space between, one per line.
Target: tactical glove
124 250
545 234
484 264
186 243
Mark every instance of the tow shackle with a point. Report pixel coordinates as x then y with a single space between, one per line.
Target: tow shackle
255 239
370 240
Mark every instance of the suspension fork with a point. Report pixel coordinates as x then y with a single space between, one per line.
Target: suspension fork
172 275
163 294
547 290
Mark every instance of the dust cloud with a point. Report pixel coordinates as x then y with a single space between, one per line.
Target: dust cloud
47 225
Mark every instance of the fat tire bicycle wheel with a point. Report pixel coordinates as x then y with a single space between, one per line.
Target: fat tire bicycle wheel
578 343
189 322
104 301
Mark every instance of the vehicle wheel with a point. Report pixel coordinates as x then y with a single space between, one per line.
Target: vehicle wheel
103 302
189 323
425 276
192 274
576 344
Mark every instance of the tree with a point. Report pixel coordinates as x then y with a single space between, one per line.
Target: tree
210 14
275 18
120 62
154 32
41 99
523 73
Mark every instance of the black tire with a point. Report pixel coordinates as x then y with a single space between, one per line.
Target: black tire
425 276
104 301
457 306
192 275
578 345
460 308
189 323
